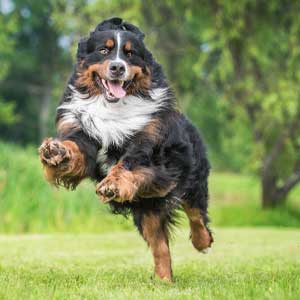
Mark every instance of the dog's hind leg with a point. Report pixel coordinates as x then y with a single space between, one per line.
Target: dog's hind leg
200 234
153 227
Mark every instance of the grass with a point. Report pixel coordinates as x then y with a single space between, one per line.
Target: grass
243 264
29 204
246 263
235 201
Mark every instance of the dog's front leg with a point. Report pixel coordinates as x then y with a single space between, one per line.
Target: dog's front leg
123 184
63 162
134 177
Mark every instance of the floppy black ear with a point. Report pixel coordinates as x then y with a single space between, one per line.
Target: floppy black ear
118 24
109 24
134 29
85 46
82 48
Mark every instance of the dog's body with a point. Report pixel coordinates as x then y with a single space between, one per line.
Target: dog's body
117 124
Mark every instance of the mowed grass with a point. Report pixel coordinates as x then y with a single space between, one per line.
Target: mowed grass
243 264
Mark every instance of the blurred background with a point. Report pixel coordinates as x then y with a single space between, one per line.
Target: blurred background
235 67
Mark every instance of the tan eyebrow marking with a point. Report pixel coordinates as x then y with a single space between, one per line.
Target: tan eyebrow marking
110 43
127 46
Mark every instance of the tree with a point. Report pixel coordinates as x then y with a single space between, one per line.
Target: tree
246 54
234 66
173 35
36 65
253 60
7 26
177 34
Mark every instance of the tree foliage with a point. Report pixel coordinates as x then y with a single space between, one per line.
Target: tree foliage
7 26
253 59
234 66
36 64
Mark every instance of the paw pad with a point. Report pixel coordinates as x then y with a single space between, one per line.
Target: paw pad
53 152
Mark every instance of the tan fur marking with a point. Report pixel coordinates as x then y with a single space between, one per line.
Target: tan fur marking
86 79
64 127
127 46
200 236
110 43
158 242
124 183
63 162
76 164
153 130
142 81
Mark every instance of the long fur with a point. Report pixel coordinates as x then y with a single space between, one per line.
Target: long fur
111 123
141 135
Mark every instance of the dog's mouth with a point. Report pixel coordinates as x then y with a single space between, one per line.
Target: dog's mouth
114 90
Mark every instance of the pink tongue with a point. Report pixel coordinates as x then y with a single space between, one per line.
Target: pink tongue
116 89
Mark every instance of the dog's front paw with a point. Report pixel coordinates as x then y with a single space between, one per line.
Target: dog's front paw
53 152
107 190
116 188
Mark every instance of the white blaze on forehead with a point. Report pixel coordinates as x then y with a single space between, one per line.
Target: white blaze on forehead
118 41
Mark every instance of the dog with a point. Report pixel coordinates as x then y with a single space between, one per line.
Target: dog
118 124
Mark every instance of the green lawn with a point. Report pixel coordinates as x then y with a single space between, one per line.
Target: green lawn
243 264
114 263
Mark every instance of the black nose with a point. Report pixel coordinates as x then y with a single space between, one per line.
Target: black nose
116 69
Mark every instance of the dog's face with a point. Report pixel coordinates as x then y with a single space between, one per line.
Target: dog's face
114 63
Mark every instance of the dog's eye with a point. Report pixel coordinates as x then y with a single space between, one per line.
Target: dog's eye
129 54
104 51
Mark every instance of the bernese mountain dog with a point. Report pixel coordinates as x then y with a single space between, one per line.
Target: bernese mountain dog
118 124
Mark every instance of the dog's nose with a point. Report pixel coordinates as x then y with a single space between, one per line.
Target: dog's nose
116 69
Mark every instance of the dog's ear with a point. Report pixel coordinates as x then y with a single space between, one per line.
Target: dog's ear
85 46
82 48
109 24
133 29
118 24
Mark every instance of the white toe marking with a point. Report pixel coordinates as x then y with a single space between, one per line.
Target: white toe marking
206 250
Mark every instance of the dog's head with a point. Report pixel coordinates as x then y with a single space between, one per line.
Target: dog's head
114 61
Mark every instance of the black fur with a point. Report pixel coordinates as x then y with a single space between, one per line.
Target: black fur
178 155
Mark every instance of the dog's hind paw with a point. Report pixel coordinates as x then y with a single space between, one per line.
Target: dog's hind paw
206 250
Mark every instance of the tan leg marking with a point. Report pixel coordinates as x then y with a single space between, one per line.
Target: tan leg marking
200 236
63 162
157 240
121 184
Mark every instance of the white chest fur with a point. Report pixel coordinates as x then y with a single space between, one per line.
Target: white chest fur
111 123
